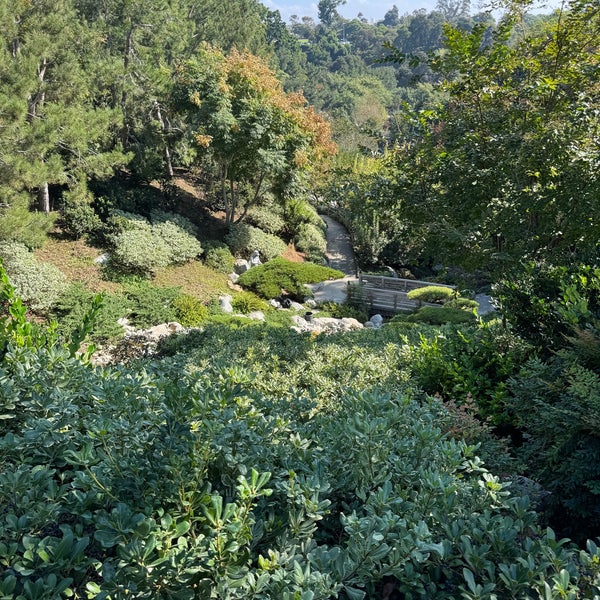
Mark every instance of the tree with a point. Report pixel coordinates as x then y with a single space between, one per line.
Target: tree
391 17
453 10
328 11
55 129
258 137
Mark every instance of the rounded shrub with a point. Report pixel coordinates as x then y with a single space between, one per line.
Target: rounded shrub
38 284
278 275
190 311
434 315
218 257
247 302
464 303
139 251
140 247
243 239
269 218
432 293
78 218
161 216
182 245
310 239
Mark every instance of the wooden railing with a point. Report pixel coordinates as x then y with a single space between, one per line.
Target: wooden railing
389 294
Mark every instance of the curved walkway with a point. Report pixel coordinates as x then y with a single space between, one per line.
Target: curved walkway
339 253
340 256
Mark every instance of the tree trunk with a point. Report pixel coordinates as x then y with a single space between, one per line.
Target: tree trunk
44 198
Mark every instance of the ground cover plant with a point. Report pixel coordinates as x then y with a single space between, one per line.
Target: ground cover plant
282 276
171 482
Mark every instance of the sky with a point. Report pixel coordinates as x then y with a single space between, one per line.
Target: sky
371 10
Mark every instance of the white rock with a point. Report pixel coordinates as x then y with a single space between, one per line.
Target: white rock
102 259
275 303
296 306
256 315
225 304
310 303
377 321
233 277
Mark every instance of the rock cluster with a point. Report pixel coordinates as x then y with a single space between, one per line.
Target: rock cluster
325 325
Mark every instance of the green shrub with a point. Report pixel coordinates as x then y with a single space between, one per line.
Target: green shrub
139 251
218 257
77 215
161 216
310 239
139 247
269 218
20 224
439 315
74 302
464 303
247 302
190 312
38 284
270 279
182 245
150 305
243 239
432 293
298 212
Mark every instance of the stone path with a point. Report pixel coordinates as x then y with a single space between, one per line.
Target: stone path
339 253
340 256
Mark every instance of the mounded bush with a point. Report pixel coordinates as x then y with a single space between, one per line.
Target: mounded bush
190 312
161 216
269 218
140 247
182 245
310 239
247 302
139 251
439 315
77 214
218 257
278 275
464 303
297 212
432 293
150 305
243 239
39 284
74 303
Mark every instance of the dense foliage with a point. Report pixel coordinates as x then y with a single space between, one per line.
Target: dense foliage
282 277
197 482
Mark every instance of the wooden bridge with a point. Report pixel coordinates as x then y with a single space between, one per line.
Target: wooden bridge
388 295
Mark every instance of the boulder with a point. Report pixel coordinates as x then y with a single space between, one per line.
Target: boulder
241 266
225 303
256 315
377 321
325 325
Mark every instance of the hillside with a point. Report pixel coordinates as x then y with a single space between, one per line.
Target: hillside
174 171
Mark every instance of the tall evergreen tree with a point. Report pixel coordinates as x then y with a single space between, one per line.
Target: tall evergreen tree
54 132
